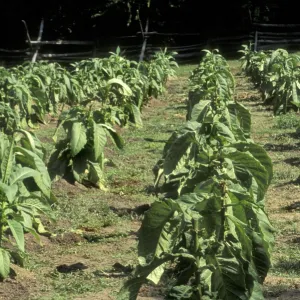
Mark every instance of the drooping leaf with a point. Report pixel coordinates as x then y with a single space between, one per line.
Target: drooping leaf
4 263
228 278
200 110
115 137
159 230
30 159
10 191
178 151
7 162
245 163
136 114
78 138
22 173
79 168
100 139
18 233
126 89
96 175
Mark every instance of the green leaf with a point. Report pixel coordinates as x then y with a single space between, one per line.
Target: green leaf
126 89
115 137
247 166
67 82
100 139
178 150
96 175
78 138
10 191
136 114
240 116
200 110
57 164
22 173
18 233
34 233
32 160
79 167
7 162
159 230
35 206
225 132
228 278
4 263
29 138
259 153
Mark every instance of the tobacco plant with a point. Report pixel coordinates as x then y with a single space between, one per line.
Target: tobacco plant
80 155
34 90
158 70
209 230
212 79
25 194
277 75
9 119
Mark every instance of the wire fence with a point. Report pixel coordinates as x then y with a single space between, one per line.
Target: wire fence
187 45
274 36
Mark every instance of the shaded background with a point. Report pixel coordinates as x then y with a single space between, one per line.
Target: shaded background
103 21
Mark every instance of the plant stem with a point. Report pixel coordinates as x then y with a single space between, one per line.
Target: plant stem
223 211
2 220
195 223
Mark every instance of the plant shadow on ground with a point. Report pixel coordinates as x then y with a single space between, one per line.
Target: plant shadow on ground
281 147
293 161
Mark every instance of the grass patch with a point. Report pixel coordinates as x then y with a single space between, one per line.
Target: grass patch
288 121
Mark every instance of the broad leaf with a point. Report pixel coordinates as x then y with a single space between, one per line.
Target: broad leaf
136 114
78 138
18 233
126 89
22 173
4 263
100 139
228 278
7 162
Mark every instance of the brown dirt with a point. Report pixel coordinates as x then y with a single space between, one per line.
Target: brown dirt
288 295
32 245
20 287
67 238
67 188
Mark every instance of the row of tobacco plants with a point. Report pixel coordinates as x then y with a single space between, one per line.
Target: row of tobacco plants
208 236
277 75
92 97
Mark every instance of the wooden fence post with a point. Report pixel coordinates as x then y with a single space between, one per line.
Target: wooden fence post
38 39
144 46
255 41
27 34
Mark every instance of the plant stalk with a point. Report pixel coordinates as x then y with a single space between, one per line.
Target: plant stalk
195 223
2 220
